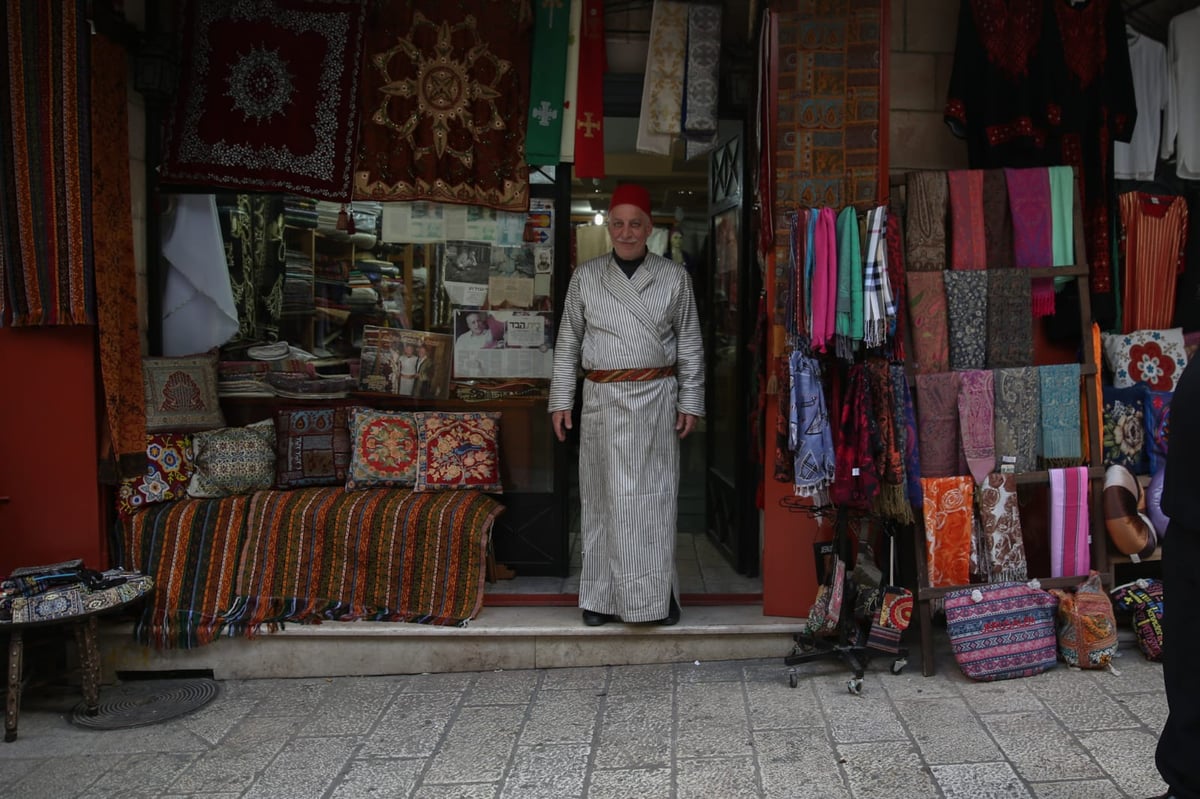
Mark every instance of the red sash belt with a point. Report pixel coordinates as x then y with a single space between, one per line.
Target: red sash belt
629 375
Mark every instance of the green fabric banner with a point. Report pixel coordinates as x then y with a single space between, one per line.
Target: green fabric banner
543 136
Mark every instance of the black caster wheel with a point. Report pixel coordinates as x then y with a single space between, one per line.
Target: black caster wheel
898 665
854 686
793 679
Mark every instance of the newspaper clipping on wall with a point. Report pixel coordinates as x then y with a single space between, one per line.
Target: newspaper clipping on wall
503 344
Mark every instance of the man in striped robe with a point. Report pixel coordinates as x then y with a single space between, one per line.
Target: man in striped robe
630 320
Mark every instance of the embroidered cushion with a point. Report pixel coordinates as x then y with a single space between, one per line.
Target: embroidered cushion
168 470
312 447
233 460
1144 599
1153 357
1002 630
181 394
458 450
1087 626
383 449
1124 433
1158 427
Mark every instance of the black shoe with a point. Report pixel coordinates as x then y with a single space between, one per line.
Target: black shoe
672 616
593 619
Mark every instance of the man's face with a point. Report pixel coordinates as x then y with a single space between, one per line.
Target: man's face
475 322
629 227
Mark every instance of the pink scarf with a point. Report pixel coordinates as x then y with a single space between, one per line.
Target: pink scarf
1069 554
824 286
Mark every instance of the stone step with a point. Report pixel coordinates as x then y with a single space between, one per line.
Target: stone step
500 638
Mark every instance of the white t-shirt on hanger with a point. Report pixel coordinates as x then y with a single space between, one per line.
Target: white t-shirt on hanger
1181 134
1148 59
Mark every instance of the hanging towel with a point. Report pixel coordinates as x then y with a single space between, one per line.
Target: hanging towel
198 308
906 425
895 271
948 508
700 72
966 303
925 223
927 319
1033 248
968 242
976 402
1060 414
809 436
1062 208
997 220
879 309
662 90
825 282
1000 514
1018 417
1009 319
937 423
855 481
849 327
1069 529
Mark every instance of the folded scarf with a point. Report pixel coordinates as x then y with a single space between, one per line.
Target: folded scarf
879 309
937 423
976 401
1033 230
966 303
1018 417
895 271
906 424
930 336
1062 208
855 480
1009 319
1060 414
968 246
925 222
948 509
1000 514
997 220
809 435
849 326
1069 555
825 281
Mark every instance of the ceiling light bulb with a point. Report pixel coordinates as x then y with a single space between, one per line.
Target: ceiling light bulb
599 218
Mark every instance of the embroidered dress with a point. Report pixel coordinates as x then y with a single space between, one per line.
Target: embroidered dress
1155 235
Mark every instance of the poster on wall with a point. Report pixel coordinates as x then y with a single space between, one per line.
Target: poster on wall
407 363
464 268
503 343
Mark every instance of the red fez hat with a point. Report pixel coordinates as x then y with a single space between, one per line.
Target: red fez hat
631 194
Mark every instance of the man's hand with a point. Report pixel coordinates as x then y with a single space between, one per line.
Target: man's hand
561 421
684 422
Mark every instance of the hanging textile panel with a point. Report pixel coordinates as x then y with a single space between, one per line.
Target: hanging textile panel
46 269
948 510
548 85
266 96
443 103
827 145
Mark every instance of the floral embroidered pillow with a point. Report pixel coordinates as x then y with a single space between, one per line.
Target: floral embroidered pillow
1153 357
458 450
383 450
233 460
168 470
1124 433
312 447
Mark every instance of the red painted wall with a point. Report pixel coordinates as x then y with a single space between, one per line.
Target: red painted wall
48 448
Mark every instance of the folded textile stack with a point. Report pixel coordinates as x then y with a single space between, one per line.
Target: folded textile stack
249 378
297 283
299 212
297 386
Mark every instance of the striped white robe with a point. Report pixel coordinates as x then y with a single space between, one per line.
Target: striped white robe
629 450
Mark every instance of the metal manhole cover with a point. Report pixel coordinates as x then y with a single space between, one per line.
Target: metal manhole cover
141 702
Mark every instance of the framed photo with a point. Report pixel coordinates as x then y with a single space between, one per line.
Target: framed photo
408 363
503 343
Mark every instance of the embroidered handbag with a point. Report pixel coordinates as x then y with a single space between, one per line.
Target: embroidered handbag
895 612
826 611
1002 630
1087 626
1144 598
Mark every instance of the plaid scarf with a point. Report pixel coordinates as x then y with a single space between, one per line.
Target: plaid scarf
879 314
809 435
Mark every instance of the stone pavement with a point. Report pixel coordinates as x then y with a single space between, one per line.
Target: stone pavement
710 730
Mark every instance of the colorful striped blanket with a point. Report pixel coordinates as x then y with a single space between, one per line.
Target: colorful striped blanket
235 564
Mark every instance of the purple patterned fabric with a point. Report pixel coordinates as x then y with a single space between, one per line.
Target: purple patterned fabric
975 403
1029 199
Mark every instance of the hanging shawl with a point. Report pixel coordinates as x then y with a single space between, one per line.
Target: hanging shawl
889 454
1062 207
879 309
855 480
975 404
811 215
1069 530
1001 517
700 72
948 508
907 438
980 563
849 326
966 301
662 91
937 423
925 223
1029 199
968 246
796 323
927 319
1009 319
895 271
825 287
997 220
809 434
784 461
1060 413
1018 417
